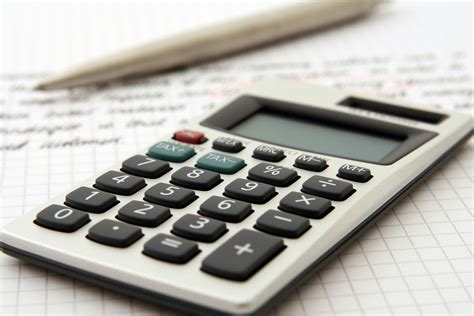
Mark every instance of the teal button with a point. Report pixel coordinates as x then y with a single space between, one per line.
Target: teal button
220 163
171 152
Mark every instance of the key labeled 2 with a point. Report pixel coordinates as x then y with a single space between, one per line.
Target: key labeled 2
143 214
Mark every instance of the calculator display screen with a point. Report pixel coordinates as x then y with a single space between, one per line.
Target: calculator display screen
315 136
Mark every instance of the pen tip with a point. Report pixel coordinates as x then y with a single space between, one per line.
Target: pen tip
39 87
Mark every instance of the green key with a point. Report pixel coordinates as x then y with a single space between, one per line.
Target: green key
171 152
220 163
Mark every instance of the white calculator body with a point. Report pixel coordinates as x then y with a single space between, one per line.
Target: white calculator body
229 215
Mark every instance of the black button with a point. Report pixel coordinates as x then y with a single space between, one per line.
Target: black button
305 205
194 178
144 166
227 144
114 233
170 248
199 228
119 183
225 209
354 173
61 218
268 153
273 174
90 200
143 214
250 191
169 195
282 224
310 162
242 255
328 188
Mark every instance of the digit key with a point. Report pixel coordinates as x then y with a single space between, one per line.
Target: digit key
242 255
119 183
170 248
143 166
305 205
194 178
328 188
61 218
282 224
199 228
143 214
273 174
90 200
114 233
169 195
250 191
225 209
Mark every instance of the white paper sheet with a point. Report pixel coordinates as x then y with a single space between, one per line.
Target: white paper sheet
416 259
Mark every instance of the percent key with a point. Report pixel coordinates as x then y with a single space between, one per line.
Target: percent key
273 174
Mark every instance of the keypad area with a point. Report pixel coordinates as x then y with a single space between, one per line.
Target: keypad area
178 196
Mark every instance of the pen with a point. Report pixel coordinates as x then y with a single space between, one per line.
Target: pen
211 42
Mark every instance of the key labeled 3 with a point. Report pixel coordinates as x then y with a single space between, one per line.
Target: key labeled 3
199 228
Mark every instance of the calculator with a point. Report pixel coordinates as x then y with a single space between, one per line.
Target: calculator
230 214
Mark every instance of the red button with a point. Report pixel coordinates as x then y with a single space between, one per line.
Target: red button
191 137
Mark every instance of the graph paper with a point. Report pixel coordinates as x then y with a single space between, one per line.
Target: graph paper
417 259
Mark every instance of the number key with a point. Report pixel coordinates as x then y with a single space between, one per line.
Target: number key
199 228
143 166
195 178
250 191
143 214
169 195
90 200
61 218
119 183
225 209
273 174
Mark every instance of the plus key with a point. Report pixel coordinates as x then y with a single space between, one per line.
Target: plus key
242 255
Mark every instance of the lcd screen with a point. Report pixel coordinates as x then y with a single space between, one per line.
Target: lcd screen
315 136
